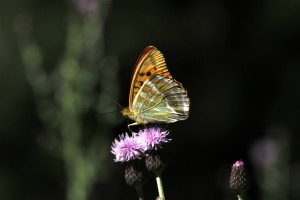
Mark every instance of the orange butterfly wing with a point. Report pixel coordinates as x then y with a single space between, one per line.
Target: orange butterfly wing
151 61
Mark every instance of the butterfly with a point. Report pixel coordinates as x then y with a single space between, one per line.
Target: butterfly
155 97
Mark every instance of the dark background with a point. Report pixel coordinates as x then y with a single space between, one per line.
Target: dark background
238 60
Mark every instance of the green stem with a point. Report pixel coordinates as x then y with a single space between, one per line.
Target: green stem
240 197
160 186
139 191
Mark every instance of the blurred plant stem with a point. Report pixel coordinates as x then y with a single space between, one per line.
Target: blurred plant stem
271 157
240 197
66 94
276 175
160 185
139 190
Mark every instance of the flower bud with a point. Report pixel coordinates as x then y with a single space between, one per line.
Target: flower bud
155 161
134 174
238 179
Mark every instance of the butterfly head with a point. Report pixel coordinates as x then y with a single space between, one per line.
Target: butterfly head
126 112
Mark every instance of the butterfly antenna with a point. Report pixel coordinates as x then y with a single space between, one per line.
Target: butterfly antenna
118 104
100 114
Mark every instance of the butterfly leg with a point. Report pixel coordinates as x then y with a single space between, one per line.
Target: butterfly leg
133 124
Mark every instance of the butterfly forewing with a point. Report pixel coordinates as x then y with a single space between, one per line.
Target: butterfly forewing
150 62
161 99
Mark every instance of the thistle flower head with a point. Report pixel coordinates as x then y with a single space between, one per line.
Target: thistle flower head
86 6
133 147
153 138
127 148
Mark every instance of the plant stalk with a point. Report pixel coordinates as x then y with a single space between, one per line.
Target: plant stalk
160 186
139 191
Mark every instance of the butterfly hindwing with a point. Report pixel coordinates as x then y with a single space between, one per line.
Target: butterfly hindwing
161 99
150 62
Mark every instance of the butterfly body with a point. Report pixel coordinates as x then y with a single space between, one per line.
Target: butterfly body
133 116
155 97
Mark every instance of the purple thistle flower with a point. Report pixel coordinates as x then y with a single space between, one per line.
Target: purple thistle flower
152 138
86 6
127 148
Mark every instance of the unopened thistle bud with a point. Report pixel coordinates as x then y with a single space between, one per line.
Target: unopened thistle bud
134 174
238 178
155 161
